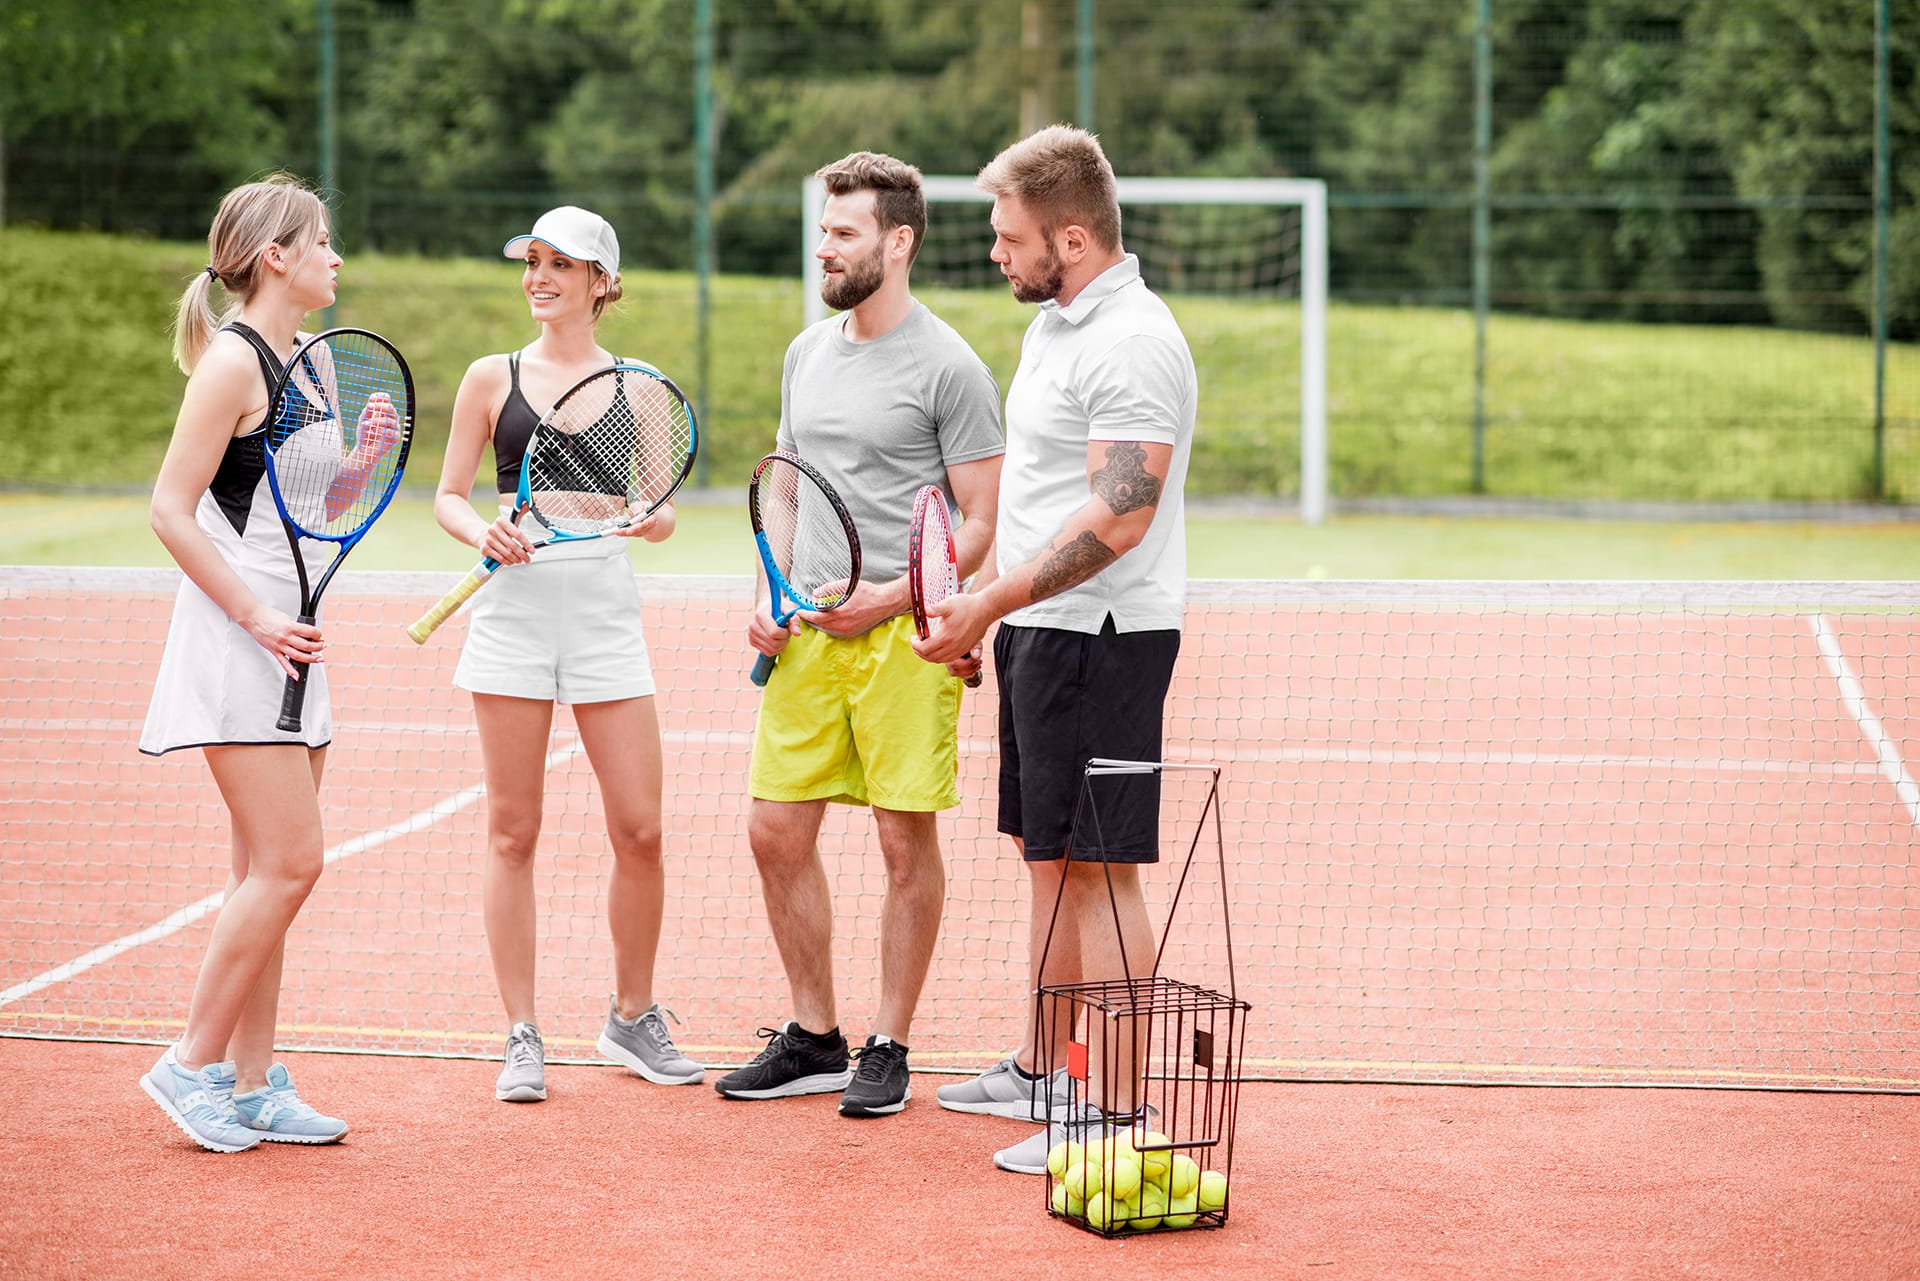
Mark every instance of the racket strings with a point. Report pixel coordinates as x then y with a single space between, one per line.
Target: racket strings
618 444
805 534
337 442
939 577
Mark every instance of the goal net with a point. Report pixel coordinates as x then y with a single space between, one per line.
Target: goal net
1211 246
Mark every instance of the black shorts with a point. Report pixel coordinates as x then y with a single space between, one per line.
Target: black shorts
1066 697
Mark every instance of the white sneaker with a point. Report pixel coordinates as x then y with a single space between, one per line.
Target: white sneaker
1084 1122
1004 1090
523 1079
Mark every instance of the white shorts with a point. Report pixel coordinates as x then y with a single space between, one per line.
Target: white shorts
565 628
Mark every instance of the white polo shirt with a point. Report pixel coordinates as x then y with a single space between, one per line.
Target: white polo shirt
1110 365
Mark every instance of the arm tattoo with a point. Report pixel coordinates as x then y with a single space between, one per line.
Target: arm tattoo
1125 482
1071 565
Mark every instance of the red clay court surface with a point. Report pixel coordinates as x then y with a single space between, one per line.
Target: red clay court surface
1660 836
614 1177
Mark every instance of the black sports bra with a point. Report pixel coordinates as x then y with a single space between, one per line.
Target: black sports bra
511 432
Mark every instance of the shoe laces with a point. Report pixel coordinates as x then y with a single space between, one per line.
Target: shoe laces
524 1049
878 1059
655 1026
777 1041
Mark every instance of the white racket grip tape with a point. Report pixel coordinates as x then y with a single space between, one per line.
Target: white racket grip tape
430 621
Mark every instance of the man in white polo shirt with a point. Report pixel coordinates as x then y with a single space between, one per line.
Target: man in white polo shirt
1090 573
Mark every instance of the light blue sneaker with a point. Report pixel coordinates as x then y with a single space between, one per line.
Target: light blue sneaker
278 1113
203 1111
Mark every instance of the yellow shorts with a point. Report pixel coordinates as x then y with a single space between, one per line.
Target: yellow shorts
862 720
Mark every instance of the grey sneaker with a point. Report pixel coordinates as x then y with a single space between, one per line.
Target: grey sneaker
1083 1122
644 1044
1002 1090
523 1079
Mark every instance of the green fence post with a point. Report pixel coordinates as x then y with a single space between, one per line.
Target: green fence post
1083 113
1882 194
1482 229
702 224
329 106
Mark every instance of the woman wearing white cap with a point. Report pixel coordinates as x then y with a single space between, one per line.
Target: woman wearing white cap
562 626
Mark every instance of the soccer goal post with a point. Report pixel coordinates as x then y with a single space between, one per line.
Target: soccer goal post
1254 248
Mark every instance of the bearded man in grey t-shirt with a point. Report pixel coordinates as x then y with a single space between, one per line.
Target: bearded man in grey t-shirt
883 399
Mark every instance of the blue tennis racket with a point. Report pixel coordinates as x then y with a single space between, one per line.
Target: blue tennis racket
339 424
806 538
613 448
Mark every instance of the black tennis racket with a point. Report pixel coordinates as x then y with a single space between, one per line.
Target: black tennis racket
612 449
806 538
933 569
339 425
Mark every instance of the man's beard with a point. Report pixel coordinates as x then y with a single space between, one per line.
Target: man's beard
1045 282
856 282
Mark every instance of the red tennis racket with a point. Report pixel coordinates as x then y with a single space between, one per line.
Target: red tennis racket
933 571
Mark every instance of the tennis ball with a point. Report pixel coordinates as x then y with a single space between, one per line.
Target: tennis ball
1064 1202
1213 1190
1184 1177
1123 1177
1154 1163
1064 1154
1099 1212
1181 1211
1153 1208
1082 1180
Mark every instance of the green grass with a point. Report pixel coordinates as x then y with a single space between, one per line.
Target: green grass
1575 410
712 538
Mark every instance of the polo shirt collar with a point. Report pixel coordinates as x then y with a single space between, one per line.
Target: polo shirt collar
1098 290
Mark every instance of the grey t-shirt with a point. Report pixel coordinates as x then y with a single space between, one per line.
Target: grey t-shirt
882 418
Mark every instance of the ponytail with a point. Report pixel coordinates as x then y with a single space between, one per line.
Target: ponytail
194 322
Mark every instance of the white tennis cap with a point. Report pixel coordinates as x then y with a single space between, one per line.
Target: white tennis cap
577 233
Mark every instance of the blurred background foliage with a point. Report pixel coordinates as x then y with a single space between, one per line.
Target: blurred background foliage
1672 162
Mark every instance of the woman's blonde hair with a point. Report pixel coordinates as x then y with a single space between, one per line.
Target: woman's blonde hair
277 210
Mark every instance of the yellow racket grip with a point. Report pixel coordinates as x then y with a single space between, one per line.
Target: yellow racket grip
430 621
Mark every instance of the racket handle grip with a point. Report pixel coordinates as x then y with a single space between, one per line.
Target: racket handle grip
444 609
763 668
973 681
294 696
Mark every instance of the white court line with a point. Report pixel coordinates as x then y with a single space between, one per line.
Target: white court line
192 912
971 747
1855 697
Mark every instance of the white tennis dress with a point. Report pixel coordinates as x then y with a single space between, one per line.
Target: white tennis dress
217 685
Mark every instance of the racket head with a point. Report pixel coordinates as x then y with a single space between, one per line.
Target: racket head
613 448
806 536
339 426
932 570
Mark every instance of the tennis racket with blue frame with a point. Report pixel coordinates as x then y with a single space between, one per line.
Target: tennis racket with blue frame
339 425
610 452
806 539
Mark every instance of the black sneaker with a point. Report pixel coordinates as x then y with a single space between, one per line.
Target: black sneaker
881 1085
794 1062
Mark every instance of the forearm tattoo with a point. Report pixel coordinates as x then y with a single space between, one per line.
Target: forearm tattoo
1075 563
1125 482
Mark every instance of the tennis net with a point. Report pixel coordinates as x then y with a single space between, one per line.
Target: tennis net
1619 833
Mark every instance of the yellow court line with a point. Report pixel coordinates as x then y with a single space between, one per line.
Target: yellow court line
1308 1067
